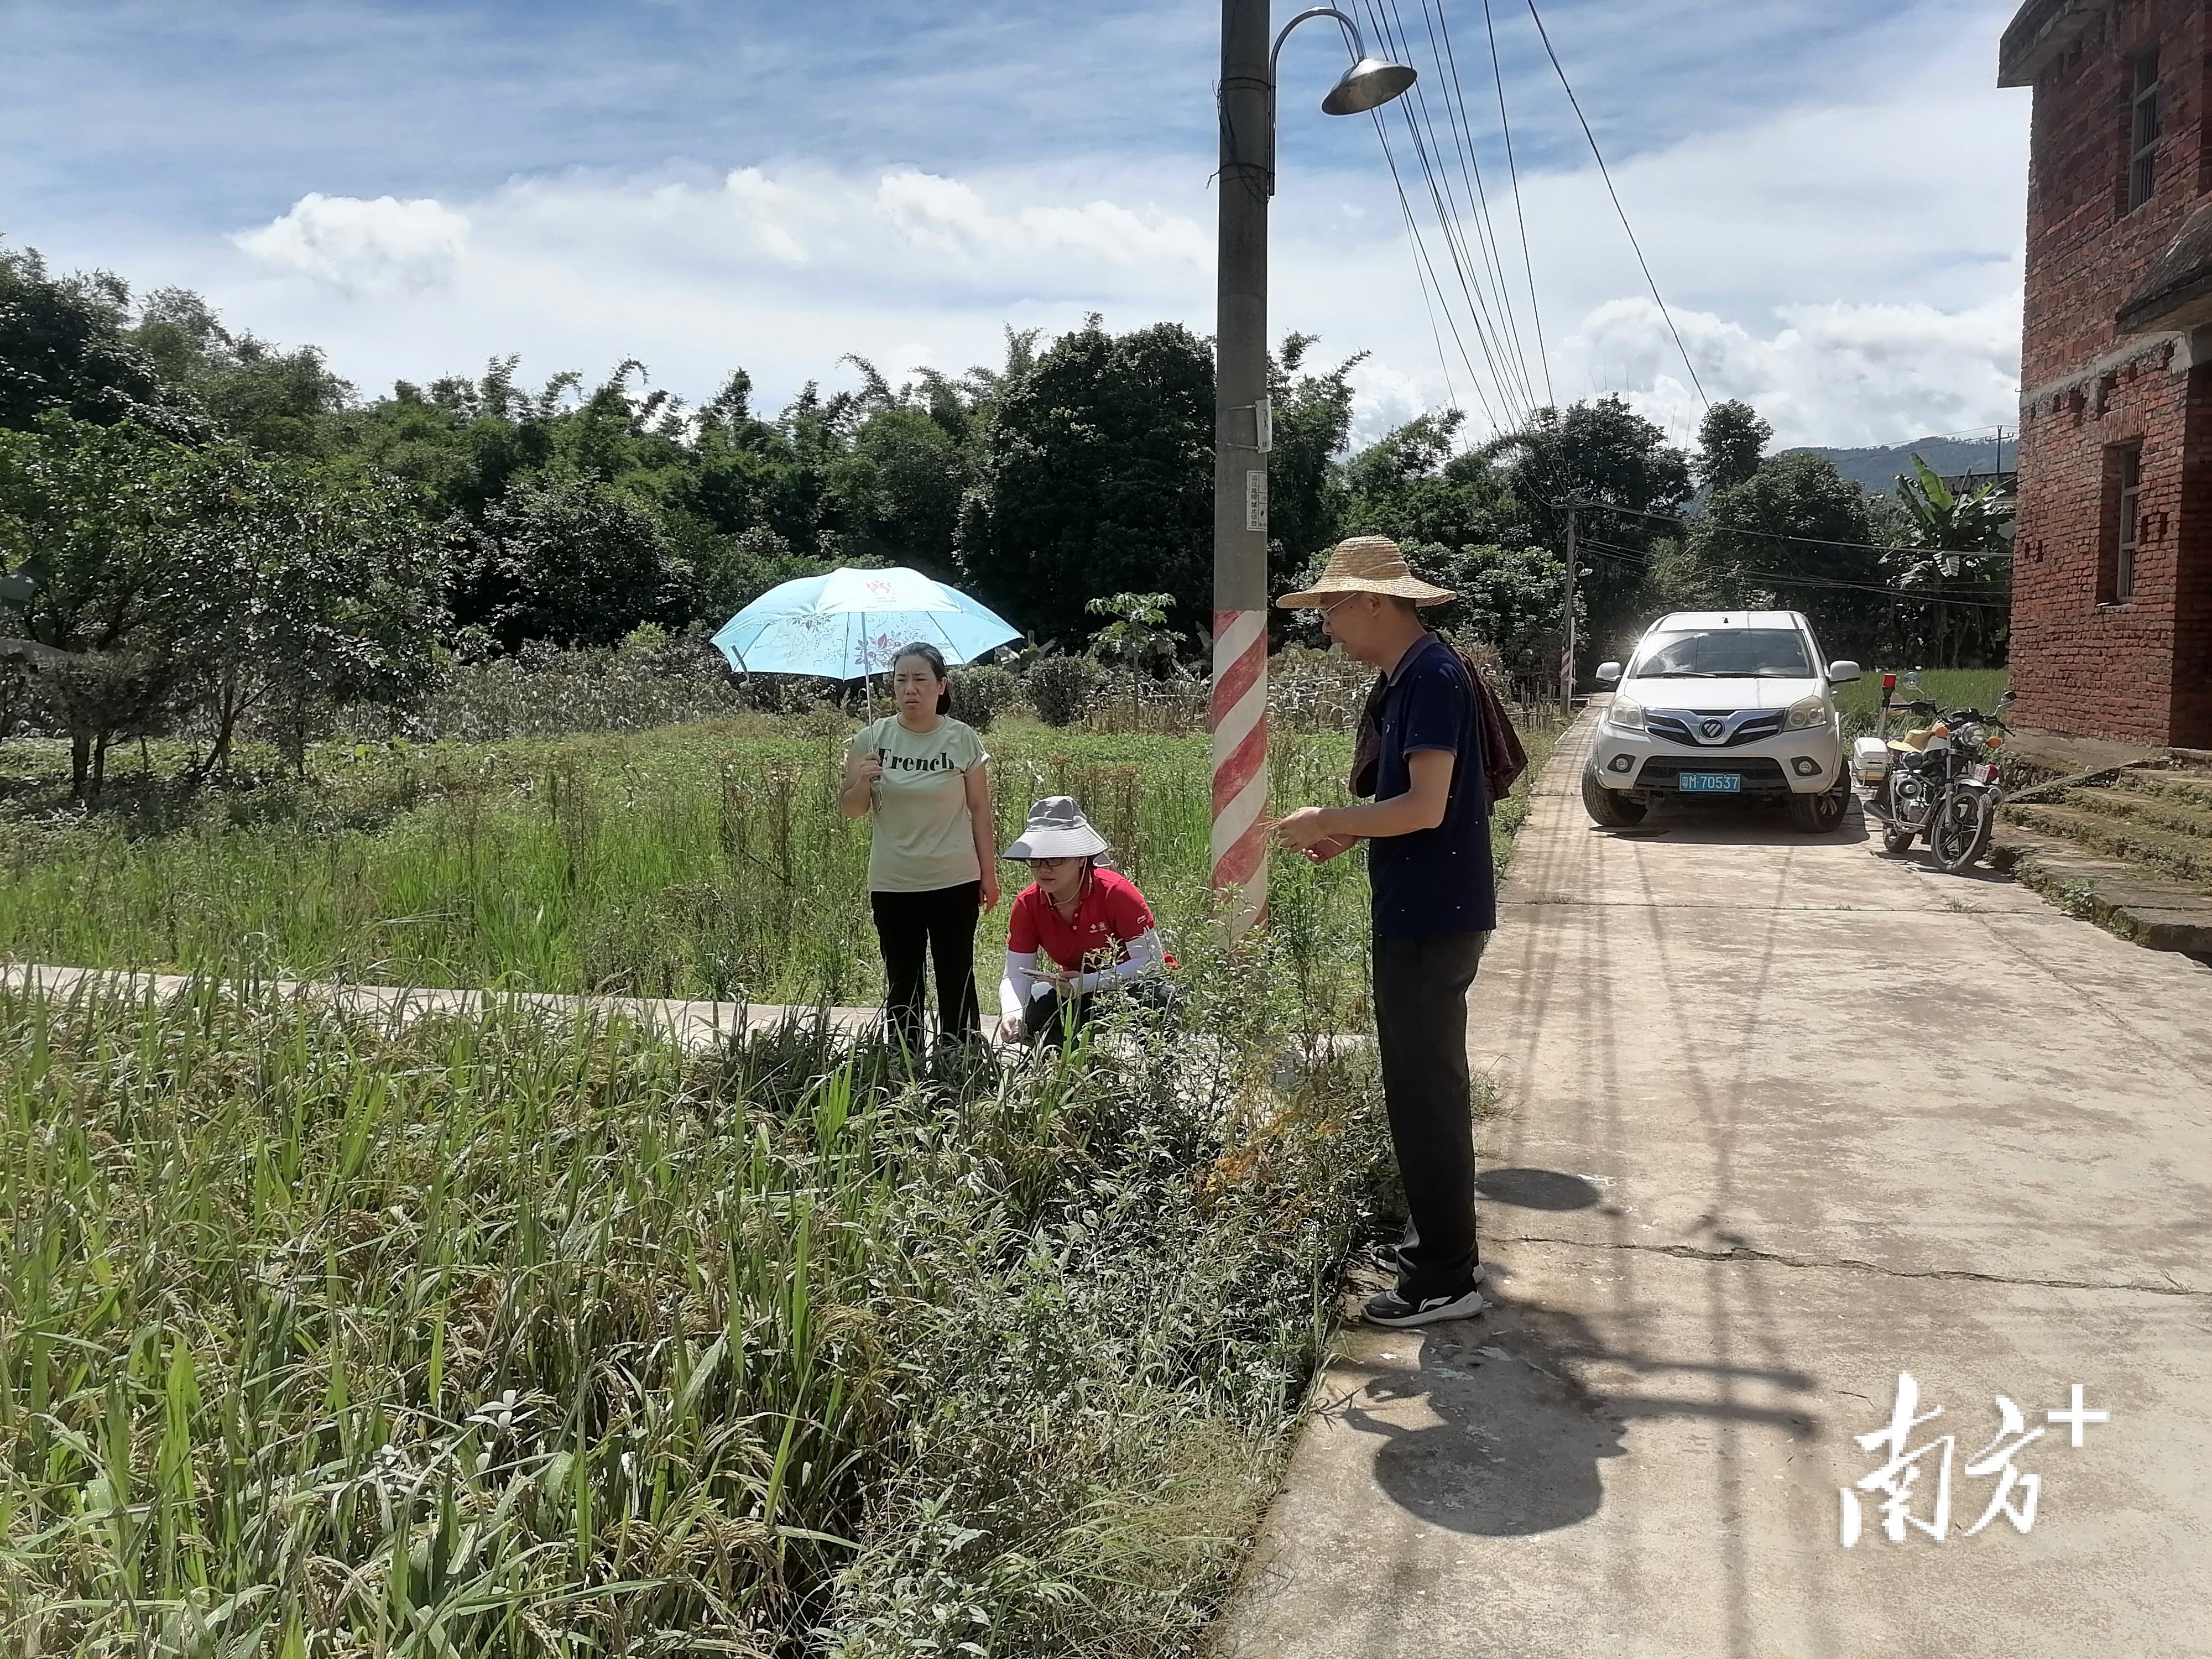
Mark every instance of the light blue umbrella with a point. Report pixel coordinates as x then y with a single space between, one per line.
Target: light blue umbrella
850 623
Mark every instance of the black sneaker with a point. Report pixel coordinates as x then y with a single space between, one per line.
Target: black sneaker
1393 1310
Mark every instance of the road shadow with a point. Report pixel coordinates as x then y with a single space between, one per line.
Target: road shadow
1537 1189
1517 1446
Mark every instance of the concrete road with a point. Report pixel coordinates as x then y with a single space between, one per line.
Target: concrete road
1782 1118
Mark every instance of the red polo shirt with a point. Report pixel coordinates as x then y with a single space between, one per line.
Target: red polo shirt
1111 912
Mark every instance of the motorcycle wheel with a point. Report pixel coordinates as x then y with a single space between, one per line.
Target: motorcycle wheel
1962 834
1897 842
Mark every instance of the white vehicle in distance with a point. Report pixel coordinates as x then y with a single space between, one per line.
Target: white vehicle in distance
1722 705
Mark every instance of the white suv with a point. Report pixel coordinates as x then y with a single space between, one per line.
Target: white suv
1722 705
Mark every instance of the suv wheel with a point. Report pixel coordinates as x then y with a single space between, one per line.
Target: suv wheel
1607 808
1816 815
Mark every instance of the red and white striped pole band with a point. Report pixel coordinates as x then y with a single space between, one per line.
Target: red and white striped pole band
1239 718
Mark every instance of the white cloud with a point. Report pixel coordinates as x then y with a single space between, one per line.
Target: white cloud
1832 374
951 217
375 247
1822 262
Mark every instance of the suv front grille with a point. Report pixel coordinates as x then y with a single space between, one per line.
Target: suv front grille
1685 726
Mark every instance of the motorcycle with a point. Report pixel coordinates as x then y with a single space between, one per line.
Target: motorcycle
1941 781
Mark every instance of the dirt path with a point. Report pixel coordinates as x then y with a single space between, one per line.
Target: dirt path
1781 1119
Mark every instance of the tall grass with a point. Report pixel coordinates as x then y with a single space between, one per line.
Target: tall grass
503 1336
1860 702
705 861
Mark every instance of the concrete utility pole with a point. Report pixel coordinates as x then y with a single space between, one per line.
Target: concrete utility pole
1242 427
1240 467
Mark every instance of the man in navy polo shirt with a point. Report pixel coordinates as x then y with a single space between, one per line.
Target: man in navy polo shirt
1434 906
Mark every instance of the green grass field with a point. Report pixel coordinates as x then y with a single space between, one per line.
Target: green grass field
1860 702
500 1337
704 860
515 1336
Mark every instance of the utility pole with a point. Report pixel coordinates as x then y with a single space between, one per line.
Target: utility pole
1239 709
1567 660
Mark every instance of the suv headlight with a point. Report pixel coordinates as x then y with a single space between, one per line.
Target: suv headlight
1809 712
1626 712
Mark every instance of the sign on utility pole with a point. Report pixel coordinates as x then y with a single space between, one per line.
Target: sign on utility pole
1241 440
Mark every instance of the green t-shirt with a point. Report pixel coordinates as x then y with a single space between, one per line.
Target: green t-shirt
924 837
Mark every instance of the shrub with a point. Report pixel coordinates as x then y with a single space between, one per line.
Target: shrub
981 695
1063 688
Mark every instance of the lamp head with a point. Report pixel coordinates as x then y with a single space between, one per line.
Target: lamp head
1368 84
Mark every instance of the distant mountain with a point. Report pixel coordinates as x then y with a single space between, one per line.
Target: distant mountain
1876 470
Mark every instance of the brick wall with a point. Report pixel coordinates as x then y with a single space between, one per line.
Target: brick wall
2135 671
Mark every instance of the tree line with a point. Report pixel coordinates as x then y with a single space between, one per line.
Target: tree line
200 528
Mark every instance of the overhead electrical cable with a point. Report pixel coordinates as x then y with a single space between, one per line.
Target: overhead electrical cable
1473 193
1454 97
1421 260
1606 173
1627 556
1480 318
1513 172
1778 536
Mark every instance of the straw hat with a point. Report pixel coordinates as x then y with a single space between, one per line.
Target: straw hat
1367 564
1057 829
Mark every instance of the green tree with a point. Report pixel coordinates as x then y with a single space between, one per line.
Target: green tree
572 564
1794 536
1958 615
298 595
1598 453
1306 493
1512 599
65 347
274 401
1097 478
1731 440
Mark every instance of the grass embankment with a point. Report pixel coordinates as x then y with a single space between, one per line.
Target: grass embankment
705 861
1860 702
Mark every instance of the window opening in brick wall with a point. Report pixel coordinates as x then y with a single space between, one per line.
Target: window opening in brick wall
2121 525
2143 131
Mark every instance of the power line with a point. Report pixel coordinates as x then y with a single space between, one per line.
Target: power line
1487 331
1420 259
1628 556
1775 535
1606 173
1513 171
1447 62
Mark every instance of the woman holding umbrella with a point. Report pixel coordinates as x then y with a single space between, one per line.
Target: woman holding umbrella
926 779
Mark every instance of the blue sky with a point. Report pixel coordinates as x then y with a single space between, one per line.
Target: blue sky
1831 196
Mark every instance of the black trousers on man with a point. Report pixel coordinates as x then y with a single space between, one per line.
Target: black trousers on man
942 924
1420 1030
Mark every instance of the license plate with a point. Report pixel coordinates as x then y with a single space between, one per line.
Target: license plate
1710 783
1985 774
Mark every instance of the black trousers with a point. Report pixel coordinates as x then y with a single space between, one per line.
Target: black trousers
1420 1030
940 924
1051 1016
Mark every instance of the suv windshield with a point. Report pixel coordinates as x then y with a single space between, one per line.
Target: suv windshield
1724 654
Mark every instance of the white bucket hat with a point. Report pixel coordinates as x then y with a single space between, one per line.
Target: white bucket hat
1057 829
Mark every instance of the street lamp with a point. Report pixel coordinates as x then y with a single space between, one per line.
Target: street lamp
1242 425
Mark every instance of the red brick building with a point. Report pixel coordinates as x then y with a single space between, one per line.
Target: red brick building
2112 617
